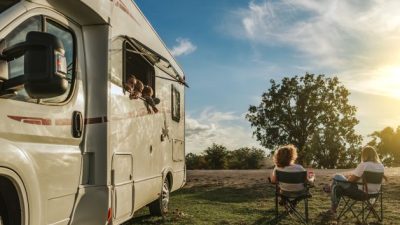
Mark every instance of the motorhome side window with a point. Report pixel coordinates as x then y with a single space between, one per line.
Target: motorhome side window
175 104
15 67
137 65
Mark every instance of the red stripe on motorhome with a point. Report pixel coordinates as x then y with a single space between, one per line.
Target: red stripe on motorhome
31 120
93 120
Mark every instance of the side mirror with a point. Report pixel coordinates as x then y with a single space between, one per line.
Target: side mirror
45 66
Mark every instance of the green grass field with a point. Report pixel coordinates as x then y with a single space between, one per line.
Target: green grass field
245 197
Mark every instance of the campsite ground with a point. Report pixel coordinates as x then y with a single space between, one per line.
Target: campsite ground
233 197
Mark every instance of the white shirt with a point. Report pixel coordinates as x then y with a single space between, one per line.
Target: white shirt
290 168
372 167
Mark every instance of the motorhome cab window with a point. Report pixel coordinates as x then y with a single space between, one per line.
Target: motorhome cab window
5 4
15 67
176 104
135 64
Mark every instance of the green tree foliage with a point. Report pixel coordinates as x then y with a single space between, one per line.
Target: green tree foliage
194 161
387 142
218 157
313 113
246 158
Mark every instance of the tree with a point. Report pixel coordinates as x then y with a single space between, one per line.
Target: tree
387 142
313 113
246 158
195 162
216 156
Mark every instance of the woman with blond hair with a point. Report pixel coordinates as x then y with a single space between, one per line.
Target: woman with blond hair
369 162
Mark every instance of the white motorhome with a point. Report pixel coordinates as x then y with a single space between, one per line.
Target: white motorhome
74 148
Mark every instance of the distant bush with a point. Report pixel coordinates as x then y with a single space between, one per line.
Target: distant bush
216 157
219 157
387 142
195 162
246 158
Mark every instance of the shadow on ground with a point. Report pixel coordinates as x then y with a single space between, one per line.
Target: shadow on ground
231 194
213 200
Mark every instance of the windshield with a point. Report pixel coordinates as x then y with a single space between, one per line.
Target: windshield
5 4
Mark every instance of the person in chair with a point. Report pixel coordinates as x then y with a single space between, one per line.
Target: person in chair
369 162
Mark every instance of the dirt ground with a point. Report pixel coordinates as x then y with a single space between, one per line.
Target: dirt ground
244 197
247 178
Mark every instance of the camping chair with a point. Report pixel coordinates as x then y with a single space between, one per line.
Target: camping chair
368 201
290 199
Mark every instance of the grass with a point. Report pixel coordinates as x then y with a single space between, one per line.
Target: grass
251 204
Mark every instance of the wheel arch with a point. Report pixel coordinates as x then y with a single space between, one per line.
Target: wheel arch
11 178
17 166
167 174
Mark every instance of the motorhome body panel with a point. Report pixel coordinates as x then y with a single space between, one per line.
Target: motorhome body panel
125 152
134 128
42 133
93 197
87 12
95 137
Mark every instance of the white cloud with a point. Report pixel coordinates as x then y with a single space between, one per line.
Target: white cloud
184 47
358 40
224 128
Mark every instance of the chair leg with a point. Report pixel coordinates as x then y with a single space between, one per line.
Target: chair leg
349 203
296 213
381 195
344 210
350 208
368 208
276 206
371 209
306 209
362 210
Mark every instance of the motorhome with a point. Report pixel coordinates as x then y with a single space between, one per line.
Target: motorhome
75 146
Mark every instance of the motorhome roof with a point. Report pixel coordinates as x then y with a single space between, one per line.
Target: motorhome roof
109 10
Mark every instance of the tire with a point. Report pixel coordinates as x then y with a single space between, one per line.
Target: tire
160 206
10 210
3 212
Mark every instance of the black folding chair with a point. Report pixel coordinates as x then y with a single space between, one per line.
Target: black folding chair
369 202
291 199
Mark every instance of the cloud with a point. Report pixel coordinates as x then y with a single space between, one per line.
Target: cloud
356 40
212 126
184 47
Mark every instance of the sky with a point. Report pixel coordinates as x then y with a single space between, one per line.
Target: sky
230 49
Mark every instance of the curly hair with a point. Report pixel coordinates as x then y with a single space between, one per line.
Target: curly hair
285 156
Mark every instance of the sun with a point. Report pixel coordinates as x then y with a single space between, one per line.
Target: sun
388 81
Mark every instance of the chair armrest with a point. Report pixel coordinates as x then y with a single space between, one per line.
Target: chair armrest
348 182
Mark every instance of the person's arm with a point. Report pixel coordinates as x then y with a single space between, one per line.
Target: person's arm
353 178
273 177
385 178
356 173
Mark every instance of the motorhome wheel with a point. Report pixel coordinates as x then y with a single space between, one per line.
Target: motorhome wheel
160 206
3 211
2 215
